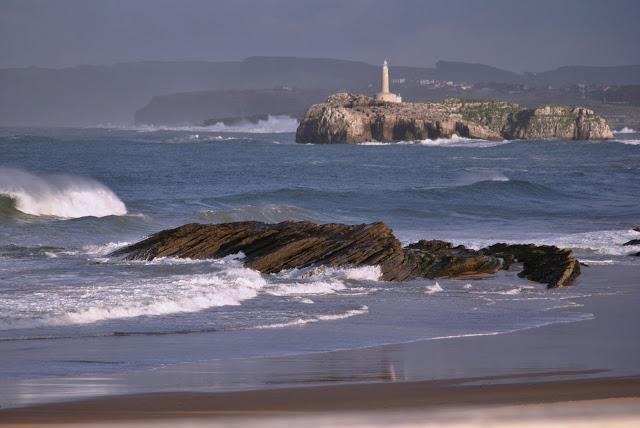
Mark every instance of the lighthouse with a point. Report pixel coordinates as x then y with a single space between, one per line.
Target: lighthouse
384 94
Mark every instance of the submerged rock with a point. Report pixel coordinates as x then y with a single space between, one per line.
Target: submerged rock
349 118
556 267
632 242
271 248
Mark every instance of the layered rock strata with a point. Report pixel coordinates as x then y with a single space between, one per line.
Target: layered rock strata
271 248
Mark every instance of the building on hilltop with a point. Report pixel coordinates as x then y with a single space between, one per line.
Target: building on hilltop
384 94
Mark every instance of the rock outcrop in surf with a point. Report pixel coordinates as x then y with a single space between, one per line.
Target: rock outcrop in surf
349 118
271 248
548 264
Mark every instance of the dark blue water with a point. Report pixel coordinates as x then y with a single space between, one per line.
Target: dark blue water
73 195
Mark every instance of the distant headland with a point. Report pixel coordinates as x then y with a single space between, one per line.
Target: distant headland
350 118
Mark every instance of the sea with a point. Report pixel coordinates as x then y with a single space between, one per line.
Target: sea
71 196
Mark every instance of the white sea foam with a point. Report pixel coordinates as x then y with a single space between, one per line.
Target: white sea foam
432 289
361 273
630 142
317 318
598 262
510 292
104 249
152 297
319 280
63 196
272 125
312 287
625 130
454 141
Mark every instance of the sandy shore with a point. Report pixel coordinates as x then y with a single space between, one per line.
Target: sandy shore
353 398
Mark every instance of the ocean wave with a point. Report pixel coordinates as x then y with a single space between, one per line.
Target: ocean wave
630 142
226 283
153 297
300 321
270 213
274 124
198 138
491 186
61 196
625 130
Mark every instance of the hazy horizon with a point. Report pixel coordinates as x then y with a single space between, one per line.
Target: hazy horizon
516 37
196 60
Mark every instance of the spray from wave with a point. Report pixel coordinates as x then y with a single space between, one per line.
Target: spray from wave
271 125
64 196
625 130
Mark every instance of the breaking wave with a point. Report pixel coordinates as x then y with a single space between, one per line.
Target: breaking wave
227 283
625 130
63 196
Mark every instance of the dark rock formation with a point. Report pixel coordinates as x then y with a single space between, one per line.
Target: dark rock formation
348 118
632 242
556 267
440 259
270 248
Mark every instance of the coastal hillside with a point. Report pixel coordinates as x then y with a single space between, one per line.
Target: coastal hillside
111 94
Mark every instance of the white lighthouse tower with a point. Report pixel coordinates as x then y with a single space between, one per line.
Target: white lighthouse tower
384 94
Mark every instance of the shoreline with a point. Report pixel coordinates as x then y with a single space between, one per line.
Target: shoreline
594 359
421 395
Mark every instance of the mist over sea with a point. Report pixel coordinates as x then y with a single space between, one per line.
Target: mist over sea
68 197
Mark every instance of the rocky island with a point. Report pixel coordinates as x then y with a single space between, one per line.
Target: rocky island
352 119
271 248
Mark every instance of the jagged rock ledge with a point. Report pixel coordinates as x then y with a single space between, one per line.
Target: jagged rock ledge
271 248
349 118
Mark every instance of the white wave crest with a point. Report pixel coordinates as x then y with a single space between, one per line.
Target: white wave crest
317 318
625 130
64 196
275 124
630 142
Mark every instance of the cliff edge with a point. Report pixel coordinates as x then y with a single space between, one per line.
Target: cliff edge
350 118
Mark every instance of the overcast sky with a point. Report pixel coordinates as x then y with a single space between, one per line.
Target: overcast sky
512 34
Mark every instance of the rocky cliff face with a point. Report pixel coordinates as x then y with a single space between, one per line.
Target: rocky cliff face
271 248
348 118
